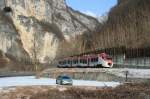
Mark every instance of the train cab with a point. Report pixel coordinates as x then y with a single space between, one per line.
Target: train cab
105 60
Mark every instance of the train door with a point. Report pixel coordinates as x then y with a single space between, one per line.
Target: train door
88 62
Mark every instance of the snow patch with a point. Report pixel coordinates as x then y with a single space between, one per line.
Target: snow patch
31 80
132 73
90 13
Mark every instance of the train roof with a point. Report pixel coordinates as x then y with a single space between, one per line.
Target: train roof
86 56
103 54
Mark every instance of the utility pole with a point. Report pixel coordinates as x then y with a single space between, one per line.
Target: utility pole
5 3
126 73
35 49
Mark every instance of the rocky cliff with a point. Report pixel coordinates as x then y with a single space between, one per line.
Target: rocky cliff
34 28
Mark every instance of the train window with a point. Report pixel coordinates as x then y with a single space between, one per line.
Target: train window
109 58
96 59
69 61
80 60
74 61
77 61
85 61
102 57
59 62
92 60
65 62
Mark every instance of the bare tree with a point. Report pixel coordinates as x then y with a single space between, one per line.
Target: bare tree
35 52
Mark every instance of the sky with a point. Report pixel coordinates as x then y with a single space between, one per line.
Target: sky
92 7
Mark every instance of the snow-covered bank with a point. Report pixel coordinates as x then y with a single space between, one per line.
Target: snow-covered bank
132 73
101 74
31 81
95 83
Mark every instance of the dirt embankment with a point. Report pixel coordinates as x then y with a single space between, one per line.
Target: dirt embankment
127 91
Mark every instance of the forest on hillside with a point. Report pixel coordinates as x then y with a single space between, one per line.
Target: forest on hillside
126 31
127 26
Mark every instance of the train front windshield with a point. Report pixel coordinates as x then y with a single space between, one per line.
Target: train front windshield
109 58
106 57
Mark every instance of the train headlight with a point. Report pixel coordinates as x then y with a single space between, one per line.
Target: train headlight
109 64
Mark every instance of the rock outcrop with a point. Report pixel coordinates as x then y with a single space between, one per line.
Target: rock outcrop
34 28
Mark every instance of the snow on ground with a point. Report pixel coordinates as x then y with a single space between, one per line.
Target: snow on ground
132 73
31 80
119 72
95 83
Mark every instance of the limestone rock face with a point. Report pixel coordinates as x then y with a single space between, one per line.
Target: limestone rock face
40 25
10 42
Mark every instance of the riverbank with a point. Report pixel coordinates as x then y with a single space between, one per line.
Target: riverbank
126 91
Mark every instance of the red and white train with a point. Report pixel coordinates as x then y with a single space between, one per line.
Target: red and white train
91 61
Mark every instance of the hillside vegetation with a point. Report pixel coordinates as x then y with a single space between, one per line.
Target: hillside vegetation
128 25
127 30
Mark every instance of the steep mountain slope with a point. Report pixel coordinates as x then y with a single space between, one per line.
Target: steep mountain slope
35 28
127 26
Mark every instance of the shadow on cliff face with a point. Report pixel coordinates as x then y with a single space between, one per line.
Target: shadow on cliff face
53 28
50 27
9 63
10 59
3 60
7 9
